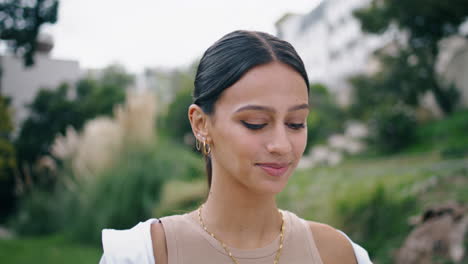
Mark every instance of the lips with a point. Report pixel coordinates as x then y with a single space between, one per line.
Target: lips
274 169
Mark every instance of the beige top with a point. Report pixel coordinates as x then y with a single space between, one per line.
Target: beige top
188 242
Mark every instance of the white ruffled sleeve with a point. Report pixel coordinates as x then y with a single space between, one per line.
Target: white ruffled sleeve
103 260
128 246
361 254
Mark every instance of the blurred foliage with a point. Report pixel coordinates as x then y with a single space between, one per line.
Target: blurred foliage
410 72
130 192
114 75
176 123
388 101
455 151
399 81
40 212
123 195
50 250
426 20
179 197
183 79
392 129
52 111
20 23
325 117
7 159
366 97
168 83
371 199
117 198
378 222
447 135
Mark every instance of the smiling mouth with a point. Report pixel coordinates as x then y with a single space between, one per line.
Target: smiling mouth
274 169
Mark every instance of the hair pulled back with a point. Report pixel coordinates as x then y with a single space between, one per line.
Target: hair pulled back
229 58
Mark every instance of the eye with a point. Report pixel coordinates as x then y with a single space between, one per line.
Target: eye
296 126
253 126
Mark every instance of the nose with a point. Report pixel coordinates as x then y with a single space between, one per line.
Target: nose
279 143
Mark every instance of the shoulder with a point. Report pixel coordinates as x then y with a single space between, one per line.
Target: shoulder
159 242
328 240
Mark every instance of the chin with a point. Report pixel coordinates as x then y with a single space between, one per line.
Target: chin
273 187
270 190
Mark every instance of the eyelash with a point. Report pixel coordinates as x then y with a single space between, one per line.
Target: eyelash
260 126
296 126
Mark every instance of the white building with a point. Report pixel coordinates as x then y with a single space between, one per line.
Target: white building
159 81
21 83
452 64
330 41
167 82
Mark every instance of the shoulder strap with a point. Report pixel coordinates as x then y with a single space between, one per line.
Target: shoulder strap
300 241
128 246
311 242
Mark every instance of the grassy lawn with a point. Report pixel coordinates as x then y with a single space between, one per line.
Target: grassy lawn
313 193
50 250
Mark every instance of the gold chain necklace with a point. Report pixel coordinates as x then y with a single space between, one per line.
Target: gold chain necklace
278 252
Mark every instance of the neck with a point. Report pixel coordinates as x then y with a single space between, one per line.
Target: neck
240 218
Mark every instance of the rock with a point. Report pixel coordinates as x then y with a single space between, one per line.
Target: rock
5 233
440 233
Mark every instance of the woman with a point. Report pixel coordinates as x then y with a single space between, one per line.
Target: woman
249 119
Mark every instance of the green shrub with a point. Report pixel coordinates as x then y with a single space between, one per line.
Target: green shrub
50 249
455 151
176 123
448 135
129 192
392 128
325 117
53 110
366 93
122 196
118 198
378 222
39 213
7 160
180 197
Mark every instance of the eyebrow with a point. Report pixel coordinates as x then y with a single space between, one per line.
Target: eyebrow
270 109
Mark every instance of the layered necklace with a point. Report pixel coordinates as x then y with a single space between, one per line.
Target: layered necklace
278 252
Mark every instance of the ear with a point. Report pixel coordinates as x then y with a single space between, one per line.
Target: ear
199 122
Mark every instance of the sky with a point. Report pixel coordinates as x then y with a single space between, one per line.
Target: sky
154 33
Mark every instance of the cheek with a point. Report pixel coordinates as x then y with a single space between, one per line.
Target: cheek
300 142
235 146
244 145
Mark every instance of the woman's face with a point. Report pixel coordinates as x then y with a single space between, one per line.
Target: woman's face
258 131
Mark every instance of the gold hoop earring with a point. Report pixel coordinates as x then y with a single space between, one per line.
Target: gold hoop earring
206 149
197 144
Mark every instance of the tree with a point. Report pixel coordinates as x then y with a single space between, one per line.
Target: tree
7 159
411 72
20 23
175 122
52 111
325 118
